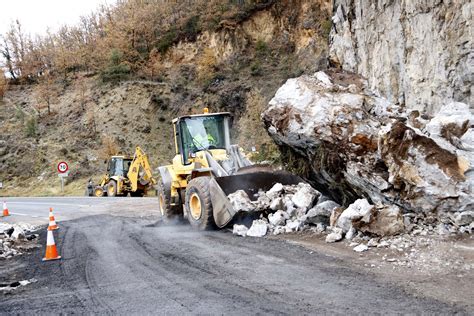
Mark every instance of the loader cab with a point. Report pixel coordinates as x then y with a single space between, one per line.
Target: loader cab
118 166
196 133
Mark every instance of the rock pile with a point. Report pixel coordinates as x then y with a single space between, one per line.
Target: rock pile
293 208
13 239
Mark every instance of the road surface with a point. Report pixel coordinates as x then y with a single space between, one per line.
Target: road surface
115 263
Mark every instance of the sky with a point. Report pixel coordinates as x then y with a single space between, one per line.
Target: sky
37 15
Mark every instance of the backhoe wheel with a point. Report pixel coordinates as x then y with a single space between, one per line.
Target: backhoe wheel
168 212
198 204
112 188
99 192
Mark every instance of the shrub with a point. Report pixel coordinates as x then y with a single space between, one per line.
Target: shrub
206 65
31 127
109 147
261 48
256 69
20 115
191 28
116 70
3 85
166 41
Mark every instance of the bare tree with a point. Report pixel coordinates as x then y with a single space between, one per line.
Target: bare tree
46 93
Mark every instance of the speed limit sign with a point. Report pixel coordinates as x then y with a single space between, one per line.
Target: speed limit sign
63 167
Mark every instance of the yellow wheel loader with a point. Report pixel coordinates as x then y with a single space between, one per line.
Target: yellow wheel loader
206 169
125 175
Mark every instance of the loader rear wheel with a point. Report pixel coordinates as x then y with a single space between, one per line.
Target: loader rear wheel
112 188
168 212
198 204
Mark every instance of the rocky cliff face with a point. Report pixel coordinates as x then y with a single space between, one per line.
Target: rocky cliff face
415 53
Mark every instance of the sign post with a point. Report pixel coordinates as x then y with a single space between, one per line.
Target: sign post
63 169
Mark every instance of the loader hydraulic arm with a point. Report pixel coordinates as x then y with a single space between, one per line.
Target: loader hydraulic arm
140 170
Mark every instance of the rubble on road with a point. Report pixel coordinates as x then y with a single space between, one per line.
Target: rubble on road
364 226
13 285
14 239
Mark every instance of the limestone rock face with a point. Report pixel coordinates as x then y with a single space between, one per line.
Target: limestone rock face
415 53
362 145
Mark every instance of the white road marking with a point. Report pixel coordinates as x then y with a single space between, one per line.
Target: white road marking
35 216
42 203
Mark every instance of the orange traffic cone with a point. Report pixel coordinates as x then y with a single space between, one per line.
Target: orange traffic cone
52 222
5 209
51 251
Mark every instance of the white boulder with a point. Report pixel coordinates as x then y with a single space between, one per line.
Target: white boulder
240 201
305 196
356 211
240 230
258 229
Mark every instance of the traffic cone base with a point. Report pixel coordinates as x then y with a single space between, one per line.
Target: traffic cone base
5 209
51 250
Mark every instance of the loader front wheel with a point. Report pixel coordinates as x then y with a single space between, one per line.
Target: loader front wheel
198 204
168 212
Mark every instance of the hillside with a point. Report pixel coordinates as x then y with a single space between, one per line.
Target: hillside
114 91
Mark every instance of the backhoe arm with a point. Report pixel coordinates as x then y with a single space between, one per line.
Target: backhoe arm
140 170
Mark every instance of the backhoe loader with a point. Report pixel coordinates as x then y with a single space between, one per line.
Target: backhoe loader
125 175
207 168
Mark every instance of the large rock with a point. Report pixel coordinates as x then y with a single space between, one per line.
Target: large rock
361 145
240 201
278 218
384 221
305 196
240 230
321 212
358 211
416 53
258 229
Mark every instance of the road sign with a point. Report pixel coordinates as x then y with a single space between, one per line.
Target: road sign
63 167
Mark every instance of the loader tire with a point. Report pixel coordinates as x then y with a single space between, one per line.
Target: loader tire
112 188
168 212
199 205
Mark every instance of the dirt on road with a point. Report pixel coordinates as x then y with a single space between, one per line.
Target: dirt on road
117 264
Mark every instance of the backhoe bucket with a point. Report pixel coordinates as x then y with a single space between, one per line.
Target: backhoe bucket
250 182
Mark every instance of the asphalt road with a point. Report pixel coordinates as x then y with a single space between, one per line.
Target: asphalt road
36 210
114 264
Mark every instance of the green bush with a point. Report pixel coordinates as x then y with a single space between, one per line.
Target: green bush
261 48
20 115
166 41
116 70
192 28
256 69
31 127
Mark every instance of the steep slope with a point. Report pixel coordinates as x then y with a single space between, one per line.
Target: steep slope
237 68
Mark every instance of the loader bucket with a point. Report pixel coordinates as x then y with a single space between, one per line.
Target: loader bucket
251 183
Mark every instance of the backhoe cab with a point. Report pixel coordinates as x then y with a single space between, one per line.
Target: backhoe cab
205 169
